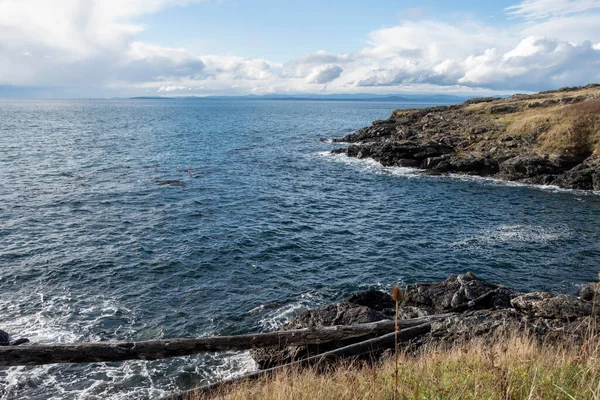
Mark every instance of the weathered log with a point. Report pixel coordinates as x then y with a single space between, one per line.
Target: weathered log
353 350
156 349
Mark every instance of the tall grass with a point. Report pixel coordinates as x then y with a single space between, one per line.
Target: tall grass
517 367
568 130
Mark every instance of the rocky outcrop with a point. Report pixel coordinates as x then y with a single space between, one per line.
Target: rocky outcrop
483 310
550 306
343 313
485 137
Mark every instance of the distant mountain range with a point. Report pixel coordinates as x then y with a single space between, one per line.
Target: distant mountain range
405 98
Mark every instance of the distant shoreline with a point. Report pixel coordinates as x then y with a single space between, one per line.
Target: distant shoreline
549 138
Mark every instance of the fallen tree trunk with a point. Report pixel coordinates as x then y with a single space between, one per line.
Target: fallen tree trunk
156 349
353 350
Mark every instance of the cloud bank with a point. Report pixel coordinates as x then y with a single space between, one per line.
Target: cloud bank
89 45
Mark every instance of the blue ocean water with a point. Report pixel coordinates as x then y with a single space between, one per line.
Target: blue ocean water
264 223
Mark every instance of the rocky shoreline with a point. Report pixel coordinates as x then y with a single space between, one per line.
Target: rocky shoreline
549 138
482 310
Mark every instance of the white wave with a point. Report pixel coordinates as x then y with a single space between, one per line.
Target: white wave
515 233
368 164
257 310
501 182
374 166
276 318
232 365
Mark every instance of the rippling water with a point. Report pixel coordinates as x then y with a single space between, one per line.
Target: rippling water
264 224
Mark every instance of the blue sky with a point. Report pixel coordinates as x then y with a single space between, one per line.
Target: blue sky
280 31
104 48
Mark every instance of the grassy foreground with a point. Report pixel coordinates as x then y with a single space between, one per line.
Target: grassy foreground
511 368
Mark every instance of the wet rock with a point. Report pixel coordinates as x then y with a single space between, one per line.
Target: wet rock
374 299
170 183
408 163
482 166
530 166
344 313
585 176
547 305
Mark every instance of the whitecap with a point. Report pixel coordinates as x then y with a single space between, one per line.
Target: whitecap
515 233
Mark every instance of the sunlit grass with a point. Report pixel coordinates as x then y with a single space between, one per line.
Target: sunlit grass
511 368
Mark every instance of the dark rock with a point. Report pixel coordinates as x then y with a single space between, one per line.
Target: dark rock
585 176
543 104
7 340
482 166
374 299
354 150
455 292
481 100
377 131
343 313
170 183
528 166
591 292
547 305
407 162
339 151
482 324
432 162
505 108
390 153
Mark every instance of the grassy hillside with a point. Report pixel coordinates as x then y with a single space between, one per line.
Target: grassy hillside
564 122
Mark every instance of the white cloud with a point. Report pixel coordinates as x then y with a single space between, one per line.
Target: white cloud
172 88
324 74
541 9
93 44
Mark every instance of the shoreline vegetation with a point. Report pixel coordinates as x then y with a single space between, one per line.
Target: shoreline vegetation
498 344
548 138
517 367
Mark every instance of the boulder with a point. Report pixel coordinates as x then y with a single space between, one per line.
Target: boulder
374 299
591 292
458 291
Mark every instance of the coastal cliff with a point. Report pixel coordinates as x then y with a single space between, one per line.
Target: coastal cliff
548 138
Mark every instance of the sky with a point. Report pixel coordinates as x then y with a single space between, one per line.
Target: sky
119 48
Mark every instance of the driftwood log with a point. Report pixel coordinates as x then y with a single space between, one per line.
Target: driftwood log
357 349
157 349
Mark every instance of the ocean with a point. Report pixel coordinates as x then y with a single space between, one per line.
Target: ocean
258 223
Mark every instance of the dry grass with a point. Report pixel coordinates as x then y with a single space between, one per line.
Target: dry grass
511 368
576 131
570 130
